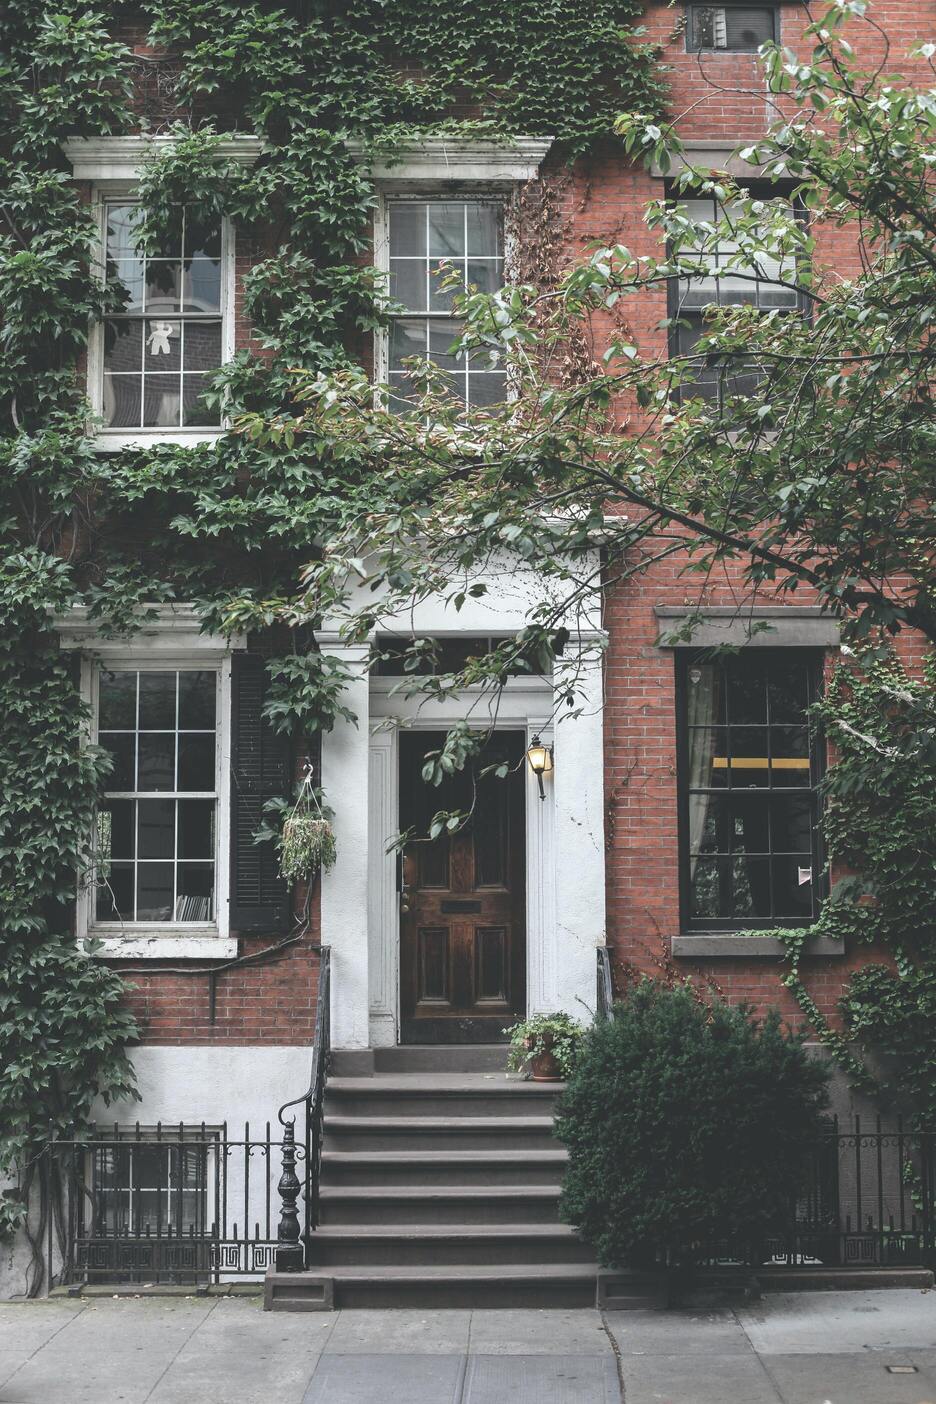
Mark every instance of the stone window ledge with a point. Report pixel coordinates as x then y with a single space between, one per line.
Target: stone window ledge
163 946
700 944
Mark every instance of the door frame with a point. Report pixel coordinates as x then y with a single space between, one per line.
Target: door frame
525 706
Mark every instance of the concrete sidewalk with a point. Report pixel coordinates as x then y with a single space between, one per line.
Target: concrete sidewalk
816 1348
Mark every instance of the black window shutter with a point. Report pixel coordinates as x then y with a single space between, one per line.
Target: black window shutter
260 770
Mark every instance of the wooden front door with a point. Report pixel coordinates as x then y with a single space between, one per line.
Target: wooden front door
462 904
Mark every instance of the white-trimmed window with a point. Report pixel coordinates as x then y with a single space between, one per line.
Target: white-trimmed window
161 819
153 359
436 247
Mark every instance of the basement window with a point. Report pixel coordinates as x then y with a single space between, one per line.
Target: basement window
730 28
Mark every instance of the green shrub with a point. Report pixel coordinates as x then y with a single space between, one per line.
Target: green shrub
685 1123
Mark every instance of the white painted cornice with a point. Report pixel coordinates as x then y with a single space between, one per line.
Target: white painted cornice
169 629
441 160
120 157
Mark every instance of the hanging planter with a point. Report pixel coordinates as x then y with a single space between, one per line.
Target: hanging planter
307 843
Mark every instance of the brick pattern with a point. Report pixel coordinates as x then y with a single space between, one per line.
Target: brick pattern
603 199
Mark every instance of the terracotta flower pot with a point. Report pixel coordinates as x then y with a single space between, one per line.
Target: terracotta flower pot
543 1066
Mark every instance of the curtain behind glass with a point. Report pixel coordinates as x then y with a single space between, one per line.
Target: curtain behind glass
701 703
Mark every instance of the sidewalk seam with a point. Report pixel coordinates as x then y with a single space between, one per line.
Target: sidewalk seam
64 1327
182 1346
762 1362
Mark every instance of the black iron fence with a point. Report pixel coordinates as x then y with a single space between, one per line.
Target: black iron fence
181 1204
868 1201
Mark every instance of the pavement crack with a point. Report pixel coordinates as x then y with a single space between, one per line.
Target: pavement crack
182 1345
618 1357
42 1345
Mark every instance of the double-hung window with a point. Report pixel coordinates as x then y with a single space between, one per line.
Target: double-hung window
767 285
727 28
159 349
436 249
157 858
748 772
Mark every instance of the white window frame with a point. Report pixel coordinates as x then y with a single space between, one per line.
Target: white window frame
488 196
112 440
165 939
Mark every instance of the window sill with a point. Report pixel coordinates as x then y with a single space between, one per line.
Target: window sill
152 438
164 945
699 944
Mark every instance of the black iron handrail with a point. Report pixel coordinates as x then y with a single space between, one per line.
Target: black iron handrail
605 986
292 1245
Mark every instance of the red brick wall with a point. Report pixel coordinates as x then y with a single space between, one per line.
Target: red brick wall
725 99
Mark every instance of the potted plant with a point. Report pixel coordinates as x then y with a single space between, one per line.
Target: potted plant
544 1044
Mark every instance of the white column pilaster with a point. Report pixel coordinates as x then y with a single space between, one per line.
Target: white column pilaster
345 765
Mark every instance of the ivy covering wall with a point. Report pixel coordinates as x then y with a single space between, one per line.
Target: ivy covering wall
229 525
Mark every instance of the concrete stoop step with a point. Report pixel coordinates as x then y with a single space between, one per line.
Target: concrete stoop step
439 1188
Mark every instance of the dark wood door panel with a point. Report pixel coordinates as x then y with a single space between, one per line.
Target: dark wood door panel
463 947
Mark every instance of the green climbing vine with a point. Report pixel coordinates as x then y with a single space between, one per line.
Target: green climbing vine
880 830
230 525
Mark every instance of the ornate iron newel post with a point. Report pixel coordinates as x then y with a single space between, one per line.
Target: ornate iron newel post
290 1254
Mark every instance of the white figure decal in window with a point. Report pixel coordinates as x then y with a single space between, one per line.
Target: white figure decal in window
159 335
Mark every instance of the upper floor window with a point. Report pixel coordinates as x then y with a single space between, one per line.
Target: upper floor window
169 334
767 284
436 249
157 823
738 28
748 770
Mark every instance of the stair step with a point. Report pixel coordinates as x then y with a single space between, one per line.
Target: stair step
489 1169
439 1204
439 1245
557 1285
415 1132
480 1057
440 1095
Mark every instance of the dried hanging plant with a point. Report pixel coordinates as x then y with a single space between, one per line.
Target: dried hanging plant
307 844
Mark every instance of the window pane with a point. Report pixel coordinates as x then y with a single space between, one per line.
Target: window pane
446 281
749 756
196 412
484 230
704 889
154 892
487 389
123 346
115 894
115 830
791 823
750 888
793 887
163 286
747 691
195 898
485 274
197 699
790 749
122 749
708 757
117 701
202 346
201 285
122 401
747 829
162 395
446 228
442 336
202 237
407 338
787 691
162 346
196 762
196 828
408 228
156 769
121 222
156 828
127 275
747 28
408 282
157 701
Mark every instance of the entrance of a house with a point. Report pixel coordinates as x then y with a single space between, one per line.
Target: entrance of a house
463 897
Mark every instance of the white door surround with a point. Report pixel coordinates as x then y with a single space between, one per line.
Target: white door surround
564 844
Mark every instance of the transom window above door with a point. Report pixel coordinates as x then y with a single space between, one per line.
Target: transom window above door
159 349
748 772
156 850
438 249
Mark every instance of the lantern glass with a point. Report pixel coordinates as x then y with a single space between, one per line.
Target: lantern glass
539 757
